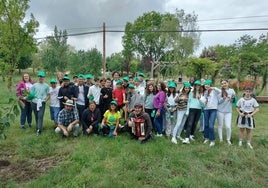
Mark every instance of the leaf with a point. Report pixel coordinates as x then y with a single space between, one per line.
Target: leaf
16 110
4 120
7 124
12 117
10 100
3 136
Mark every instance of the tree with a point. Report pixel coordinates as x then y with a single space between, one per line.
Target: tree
115 62
16 35
55 57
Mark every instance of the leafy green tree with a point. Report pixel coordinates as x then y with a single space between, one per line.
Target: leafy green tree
55 57
115 62
16 35
86 62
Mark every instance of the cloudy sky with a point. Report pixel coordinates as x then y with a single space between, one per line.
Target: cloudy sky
89 15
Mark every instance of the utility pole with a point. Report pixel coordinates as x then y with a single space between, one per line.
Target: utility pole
104 51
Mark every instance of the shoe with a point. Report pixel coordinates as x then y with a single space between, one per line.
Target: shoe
249 145
240 143
174 140
221 140
205 141
180 138
186 141
192 137
212 144
38 132
23 127
229 142
30 126
159 135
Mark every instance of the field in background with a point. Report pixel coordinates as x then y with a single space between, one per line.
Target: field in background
51 161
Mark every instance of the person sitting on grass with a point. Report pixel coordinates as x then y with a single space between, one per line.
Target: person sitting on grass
68 120
91 119
140 125
110 121
246 107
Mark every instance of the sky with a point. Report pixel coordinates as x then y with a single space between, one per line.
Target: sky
89 15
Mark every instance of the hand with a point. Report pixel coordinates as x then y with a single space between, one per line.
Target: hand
69 128
241 114
157 113
65 133
115 133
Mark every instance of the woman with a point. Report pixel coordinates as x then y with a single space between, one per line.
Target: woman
149 102
171 111
181 100
106 96
210 99
224 114
110 121
159 101
22 90
193 110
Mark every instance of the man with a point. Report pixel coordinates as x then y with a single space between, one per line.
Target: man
41 92
142 81
68 120
140 125
66 92
138 86
54 101
81 91
95 91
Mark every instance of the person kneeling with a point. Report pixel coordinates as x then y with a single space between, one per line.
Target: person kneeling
68 120
140 125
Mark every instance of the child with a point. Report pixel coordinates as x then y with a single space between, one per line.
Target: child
246 107
54 101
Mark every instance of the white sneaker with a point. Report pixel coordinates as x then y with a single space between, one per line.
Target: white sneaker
229 142
159 135
174 140
192 137
186 141
205 141
212 143
249 145
240 143
180 138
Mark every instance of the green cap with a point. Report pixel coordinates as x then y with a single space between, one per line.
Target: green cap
187 84
136 79
171 84
89 76
41 74
131 86
141 74
114 103
126 79
119 82
208 82
197 82
81 76
91 98
53 80
65 77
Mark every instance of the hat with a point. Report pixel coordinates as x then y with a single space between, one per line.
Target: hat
89 76
136 79
186 84
81 76
171 84
119 82
114 103
66 77
208 82
126 79
197 82
69 103
131 86
141 74
75 76
138 106
53 80
91 98
41 74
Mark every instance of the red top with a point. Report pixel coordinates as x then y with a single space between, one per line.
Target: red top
118 96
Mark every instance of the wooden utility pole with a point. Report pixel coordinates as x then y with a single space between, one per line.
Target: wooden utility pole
104 52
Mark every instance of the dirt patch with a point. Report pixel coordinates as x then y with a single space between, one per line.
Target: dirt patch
23 171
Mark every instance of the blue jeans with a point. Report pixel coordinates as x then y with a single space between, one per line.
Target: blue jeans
26 112
181 119
54 112
210 117
39 115
159 120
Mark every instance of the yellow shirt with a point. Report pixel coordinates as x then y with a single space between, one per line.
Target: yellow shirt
111 118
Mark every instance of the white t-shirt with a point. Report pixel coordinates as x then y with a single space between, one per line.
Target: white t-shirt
54 101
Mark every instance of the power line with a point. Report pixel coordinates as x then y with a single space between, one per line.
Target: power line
233 18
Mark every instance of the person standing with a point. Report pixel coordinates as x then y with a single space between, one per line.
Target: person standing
24 87
224 114
54 101
94 92
41 92
149 102
106 96
246 107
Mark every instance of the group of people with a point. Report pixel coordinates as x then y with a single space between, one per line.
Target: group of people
135 105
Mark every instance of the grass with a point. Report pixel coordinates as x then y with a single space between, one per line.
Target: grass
51 161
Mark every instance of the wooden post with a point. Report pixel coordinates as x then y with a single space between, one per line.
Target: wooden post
104 52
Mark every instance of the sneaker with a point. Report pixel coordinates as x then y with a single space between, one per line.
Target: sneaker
249 145
159 135
229 142
192 137
38 132
180 138
240 143
174 141
212 144
186 141
205 141
221 140
23 127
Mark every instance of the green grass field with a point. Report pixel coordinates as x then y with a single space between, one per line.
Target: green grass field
52 161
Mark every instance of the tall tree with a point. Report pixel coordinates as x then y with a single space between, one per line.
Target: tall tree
16 37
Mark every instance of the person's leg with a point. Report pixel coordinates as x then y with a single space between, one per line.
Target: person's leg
196 119
212 118
249 138
23 117
241 136
220 117
40 117
228 122
206 125
29 113
76 130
